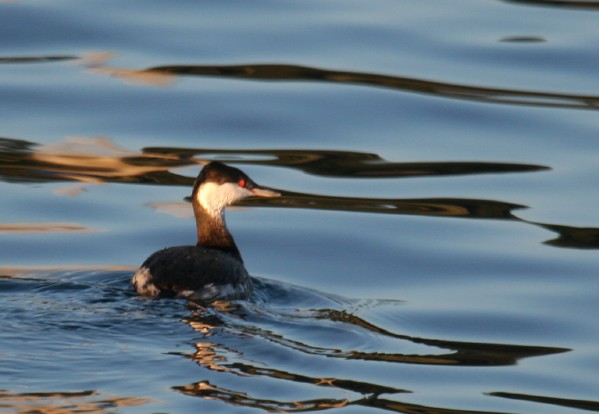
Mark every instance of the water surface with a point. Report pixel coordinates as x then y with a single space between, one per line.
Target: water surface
434 249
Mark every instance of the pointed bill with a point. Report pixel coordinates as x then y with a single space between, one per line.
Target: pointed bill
264 192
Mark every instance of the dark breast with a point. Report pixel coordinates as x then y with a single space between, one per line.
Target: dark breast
195 272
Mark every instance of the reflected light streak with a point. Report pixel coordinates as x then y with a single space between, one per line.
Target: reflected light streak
230 320
98 160
165 75
93 159
91 402
208 391
26 271
33 228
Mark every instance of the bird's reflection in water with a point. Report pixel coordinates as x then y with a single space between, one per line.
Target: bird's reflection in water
227 329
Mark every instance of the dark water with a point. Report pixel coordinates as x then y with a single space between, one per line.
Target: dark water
435 247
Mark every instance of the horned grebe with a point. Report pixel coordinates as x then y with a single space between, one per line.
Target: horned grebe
213 268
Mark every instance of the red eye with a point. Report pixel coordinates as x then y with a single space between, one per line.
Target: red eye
242 183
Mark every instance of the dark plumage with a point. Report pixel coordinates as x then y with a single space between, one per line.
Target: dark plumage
213 268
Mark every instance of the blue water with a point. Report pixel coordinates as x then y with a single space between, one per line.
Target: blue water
434 249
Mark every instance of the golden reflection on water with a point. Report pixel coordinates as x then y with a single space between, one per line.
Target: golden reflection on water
208 391
86 160
215 356
66 402
25 271
166 75
96 62
98 160
32 228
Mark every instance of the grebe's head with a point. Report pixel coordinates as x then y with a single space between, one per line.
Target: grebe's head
219 185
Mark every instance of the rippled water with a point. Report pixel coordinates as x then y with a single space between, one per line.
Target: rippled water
434 249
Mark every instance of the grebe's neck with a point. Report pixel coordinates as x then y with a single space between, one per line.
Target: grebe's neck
212 230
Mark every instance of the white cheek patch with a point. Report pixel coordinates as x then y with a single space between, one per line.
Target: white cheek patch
214 197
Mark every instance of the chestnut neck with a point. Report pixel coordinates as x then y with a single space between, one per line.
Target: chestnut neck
212 230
